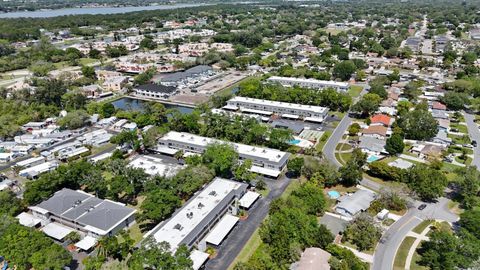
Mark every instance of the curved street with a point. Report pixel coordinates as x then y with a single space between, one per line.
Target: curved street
386 250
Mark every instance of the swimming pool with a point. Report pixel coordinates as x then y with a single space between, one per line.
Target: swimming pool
294 142
373 158
333 194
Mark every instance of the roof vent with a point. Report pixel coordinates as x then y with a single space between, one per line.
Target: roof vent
200 205
178 227
212 193
190 215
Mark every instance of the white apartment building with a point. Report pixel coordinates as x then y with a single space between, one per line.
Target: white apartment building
309 83
286 110
266 161
207 218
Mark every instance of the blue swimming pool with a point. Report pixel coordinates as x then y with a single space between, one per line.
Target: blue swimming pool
333 194
373 158
294 142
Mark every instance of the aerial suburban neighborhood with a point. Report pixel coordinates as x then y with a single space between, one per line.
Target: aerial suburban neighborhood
228 135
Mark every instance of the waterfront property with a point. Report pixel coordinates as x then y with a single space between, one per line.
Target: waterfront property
286 110
309 83
155 91
266 161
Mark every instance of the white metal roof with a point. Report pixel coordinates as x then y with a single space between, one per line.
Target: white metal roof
309 81
86 243
220 231
248 199
291 116
166 150
28 220
101 157
265 171
180 225
56 230
198 258
29 161
154 166
242 149
40 168
255 111
5 155
264 102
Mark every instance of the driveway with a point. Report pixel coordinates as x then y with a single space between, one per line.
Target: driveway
240 235
474 134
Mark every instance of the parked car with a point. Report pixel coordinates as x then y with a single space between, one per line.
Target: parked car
474 143
422 206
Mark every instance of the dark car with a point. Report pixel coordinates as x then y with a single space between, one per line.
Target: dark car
422 206
474 143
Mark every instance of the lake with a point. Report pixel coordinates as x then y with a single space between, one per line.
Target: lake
127 103
91 11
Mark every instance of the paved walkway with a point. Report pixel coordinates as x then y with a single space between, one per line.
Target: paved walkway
420 237
362 256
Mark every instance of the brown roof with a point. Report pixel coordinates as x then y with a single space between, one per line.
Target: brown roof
379 130
439 106
314 259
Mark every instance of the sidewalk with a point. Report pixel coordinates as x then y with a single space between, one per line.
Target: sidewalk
413 248
362 256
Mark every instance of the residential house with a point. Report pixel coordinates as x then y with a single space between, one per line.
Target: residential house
377 131
351 204
115 84
381 119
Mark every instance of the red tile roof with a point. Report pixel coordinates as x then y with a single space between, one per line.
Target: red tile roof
380 119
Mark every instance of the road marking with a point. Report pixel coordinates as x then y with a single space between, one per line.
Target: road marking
396 250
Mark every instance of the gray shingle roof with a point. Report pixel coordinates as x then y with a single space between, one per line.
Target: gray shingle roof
86 209
355 203
372 144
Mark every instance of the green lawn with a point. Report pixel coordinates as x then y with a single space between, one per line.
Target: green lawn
422 226
254 244
354 90
458 149
60 65
291 187
466 162
135 232
86 61
402 253
461 128
459 139
413 264
343 147
323 140
250 247
96 150
343 157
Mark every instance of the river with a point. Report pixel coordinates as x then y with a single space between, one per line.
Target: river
91 11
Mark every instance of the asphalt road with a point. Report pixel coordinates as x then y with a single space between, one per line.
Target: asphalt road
474 134
386 250
240 235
